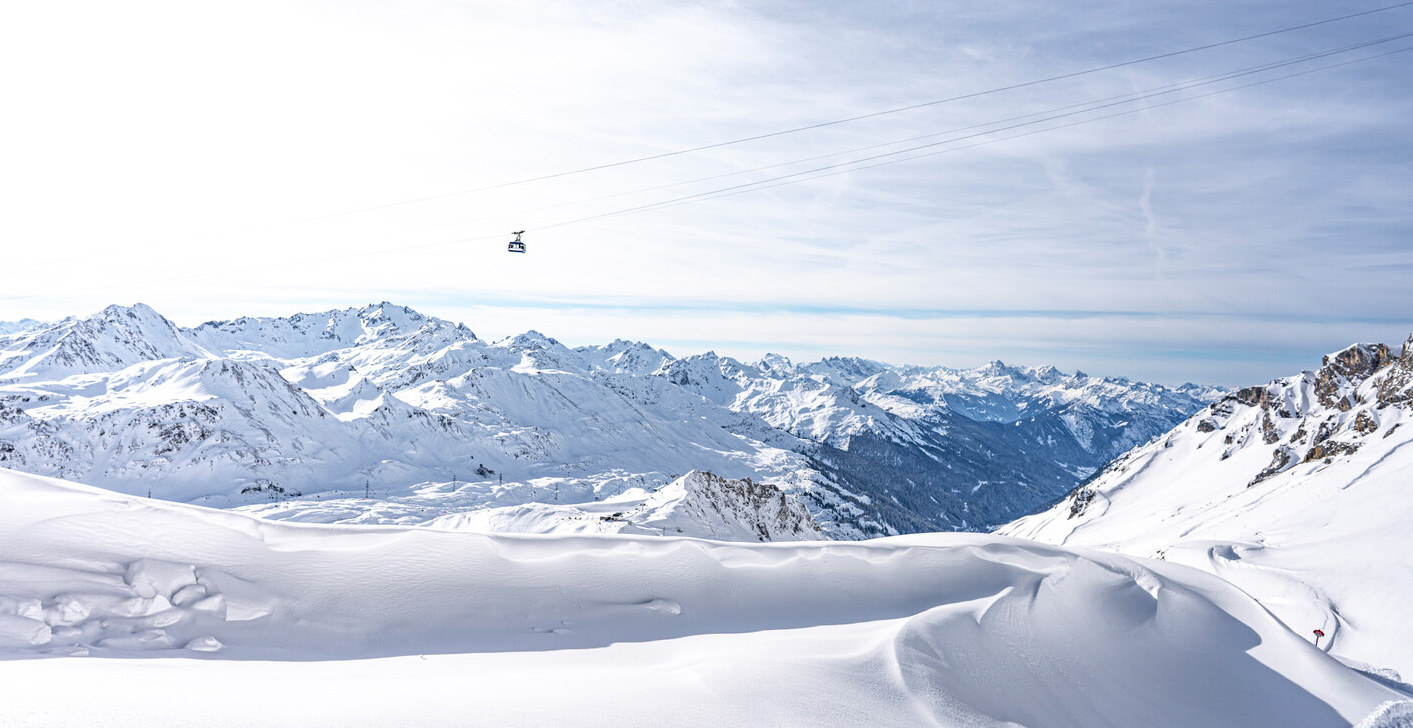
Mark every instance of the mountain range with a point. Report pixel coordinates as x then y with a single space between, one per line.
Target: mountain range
1292 496
382 414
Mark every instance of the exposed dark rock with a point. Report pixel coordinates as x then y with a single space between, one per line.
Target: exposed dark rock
1269 434
1080 500
1327 450
1397 387
1327 428
1280 459
1358 361
1352 365
1255 396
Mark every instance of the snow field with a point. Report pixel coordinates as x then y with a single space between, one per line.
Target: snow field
939 629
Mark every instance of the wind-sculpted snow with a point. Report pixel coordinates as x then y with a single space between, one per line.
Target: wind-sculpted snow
943 629
291 414
1296 491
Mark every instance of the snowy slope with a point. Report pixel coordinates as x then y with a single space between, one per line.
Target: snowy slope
383 399
698 504
109 340
937 448
1296 491
295 415
943 629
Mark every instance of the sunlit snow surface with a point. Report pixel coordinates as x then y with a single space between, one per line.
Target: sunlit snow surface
1320 537
266 623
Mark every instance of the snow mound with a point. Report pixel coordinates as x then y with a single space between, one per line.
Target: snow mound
941 629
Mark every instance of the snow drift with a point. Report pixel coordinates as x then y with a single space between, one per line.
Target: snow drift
942 629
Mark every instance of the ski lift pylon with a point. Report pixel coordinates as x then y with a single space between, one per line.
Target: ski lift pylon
516 246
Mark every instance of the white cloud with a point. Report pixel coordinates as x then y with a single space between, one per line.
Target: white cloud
175 153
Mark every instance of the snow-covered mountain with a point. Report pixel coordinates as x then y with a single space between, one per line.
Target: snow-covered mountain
344 625
937 448
15 327
304 416
698 504
1296 491
107 341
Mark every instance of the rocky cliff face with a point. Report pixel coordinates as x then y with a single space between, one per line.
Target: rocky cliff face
698 504
709 506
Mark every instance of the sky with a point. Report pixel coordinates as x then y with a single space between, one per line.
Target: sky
1158 219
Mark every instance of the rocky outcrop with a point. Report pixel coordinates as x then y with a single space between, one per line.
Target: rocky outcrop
1397 387
1343 368
728 509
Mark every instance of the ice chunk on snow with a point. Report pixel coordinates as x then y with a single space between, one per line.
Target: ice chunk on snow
151 577
205 644
22 631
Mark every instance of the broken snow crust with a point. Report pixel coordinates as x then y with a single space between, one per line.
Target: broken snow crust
330 625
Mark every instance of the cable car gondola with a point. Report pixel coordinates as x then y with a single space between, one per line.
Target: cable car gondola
515 245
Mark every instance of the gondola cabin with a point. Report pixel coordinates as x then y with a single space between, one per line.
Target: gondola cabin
516 246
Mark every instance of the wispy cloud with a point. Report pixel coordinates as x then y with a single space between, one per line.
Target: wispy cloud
180 154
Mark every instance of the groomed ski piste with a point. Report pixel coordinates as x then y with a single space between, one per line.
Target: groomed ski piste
117 610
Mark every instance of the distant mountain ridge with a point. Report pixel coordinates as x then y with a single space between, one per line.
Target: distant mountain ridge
299 416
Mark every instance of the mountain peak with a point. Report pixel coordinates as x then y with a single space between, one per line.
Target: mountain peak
116 337
996 367
1359 361
137 309
710 506
311 334
531 339
772 362
390 312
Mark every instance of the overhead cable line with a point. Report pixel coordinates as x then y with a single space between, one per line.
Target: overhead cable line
1052 117
875 114
764 186
820 172
1047 115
